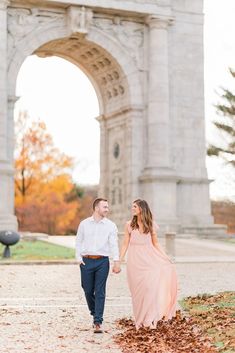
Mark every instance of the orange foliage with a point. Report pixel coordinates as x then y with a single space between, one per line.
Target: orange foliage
224 213
37 160
84 208
46 199
42 181
50 214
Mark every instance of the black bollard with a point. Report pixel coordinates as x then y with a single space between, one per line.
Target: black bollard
6 252
8 238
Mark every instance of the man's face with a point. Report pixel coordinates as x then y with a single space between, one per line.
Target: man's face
103 208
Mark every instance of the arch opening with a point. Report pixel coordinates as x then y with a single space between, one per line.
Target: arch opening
104 72
61 95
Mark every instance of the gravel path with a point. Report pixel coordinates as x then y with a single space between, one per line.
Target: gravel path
42 307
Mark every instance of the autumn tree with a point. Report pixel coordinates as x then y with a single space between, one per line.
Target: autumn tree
84 206
42 180
37 160
48 211
225 124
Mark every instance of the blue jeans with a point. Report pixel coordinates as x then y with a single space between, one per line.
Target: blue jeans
94 275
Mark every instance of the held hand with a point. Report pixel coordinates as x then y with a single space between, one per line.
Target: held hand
116 267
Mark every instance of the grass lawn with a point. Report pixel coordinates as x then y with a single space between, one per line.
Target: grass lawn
230 240
38 250
215 314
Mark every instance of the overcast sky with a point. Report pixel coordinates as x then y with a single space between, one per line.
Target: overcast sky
61 95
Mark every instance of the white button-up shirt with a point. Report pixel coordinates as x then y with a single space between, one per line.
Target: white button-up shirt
97 238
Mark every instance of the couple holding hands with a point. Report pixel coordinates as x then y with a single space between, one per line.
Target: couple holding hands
151 275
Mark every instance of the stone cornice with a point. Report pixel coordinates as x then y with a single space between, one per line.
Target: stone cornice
169 175
4 4
160 22
120 112
127 7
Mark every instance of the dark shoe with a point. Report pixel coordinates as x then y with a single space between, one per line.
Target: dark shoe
97 328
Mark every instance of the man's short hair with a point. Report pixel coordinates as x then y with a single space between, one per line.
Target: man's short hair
97 201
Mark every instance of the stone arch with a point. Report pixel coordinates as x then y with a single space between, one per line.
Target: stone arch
116 79
121 80
142 110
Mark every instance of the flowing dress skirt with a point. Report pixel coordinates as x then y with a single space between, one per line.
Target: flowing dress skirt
152 281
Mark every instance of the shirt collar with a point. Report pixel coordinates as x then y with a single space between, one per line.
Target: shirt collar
103 220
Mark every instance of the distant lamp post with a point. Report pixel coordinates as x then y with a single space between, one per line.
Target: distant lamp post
8 238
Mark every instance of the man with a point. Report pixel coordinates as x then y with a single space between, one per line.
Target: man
96 239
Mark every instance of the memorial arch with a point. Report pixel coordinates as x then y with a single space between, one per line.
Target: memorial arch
141 57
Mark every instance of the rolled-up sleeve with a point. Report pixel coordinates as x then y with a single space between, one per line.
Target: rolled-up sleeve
79 240
113 243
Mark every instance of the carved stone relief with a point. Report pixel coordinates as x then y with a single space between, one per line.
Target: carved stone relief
116 190
21 22
116 150
4 4
79 19
116 163
129 34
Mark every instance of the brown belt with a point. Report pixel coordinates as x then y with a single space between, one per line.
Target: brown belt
95 257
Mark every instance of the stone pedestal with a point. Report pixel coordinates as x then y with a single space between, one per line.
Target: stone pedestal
7 219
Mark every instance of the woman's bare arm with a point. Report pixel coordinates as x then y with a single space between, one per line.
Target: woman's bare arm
154 239
125 242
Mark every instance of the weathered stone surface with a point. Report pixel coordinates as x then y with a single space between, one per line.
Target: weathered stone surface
145 59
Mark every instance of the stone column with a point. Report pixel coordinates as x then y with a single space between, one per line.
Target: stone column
7 218
158 180
103 185
158 95
3 79
10 129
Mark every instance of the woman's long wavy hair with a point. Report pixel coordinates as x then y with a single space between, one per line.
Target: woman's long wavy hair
146 217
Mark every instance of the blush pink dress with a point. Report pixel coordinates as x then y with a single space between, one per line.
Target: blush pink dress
152 281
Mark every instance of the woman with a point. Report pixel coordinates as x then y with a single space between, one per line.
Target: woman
150 273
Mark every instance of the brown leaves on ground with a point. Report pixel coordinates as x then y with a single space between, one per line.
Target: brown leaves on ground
208 326
179 335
